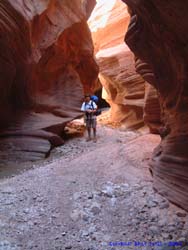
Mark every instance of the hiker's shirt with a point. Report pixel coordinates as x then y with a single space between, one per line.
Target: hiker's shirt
91 105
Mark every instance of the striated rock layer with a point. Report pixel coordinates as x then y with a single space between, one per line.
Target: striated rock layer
158 36
46 63
124 89
152 110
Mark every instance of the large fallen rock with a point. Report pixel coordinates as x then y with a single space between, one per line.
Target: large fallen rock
158 36
124 88
46 63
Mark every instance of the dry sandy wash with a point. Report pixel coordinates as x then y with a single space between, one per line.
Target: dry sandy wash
91 196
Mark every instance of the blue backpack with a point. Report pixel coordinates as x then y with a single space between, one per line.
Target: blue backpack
94 98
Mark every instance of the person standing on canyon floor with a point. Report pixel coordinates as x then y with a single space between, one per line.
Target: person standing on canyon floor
89 108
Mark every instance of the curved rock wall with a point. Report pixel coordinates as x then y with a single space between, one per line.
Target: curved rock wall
152 110
124 88
46 63
158 36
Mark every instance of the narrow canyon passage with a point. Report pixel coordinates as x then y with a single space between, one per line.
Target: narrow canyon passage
91 197
129 189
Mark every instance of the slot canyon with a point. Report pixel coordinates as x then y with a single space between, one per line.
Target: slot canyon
126 190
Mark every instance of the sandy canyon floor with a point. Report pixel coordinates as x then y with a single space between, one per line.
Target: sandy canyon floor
90 196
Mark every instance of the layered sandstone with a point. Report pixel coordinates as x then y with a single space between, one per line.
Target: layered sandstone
158 36
153 115
46 63
124 88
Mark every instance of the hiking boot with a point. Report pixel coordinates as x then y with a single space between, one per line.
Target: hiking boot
88 139
94 139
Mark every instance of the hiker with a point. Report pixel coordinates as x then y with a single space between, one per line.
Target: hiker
89 108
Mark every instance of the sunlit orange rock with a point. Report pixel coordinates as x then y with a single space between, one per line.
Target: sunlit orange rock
158 36
46 63
124 88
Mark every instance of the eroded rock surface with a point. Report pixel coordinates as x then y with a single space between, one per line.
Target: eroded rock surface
123 88
46 63
158 34
153 115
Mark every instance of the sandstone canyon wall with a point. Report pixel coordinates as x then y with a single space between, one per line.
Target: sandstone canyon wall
46 63
158 36
124 88
153 113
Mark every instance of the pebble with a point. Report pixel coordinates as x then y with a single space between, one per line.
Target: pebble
171 229
93 237
165 236
162 222
68 247
84 233
184 234
137 187
76 196
95 210
180 225
92 229
156 200
154 229
181 214
149 237
90 196
85 217
135 222
151 204
154 216
75 215
164 205
129 223
143 193
107 193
